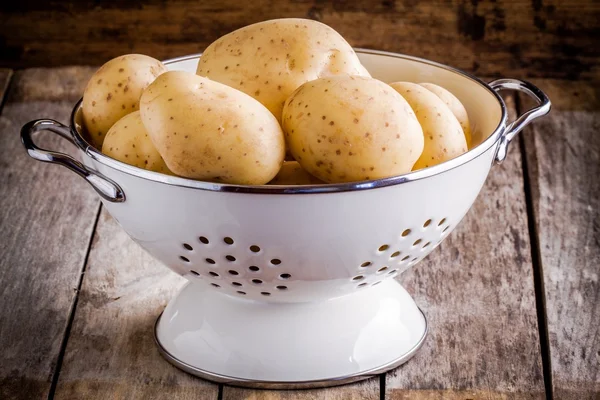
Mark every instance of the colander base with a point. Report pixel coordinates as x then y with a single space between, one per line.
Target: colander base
290 345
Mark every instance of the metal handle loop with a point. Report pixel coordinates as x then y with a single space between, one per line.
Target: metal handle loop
525 119
106 188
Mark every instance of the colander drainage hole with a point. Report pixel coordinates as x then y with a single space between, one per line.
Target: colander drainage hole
376 283
362 284
413 260
384 247
228 240
366 264
285 276
194 272
210 261
392 271
203 239
257 281
265 293
405 258
212 273
445 229
417 242
442 222
358 278
184 259
187 247
240 292
382 269
232 272
395 254
215 285
236 284
426 244
276 261
281 287
254 268
230 258
254 248
427 223
406 232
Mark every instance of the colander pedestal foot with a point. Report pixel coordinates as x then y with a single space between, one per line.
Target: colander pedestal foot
290 345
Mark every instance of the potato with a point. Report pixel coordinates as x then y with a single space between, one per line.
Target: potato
455 106
128 142
271 59
114 91
206 130
351 128
292 173
444 137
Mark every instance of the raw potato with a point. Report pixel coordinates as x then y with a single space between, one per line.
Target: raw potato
292 173
351 128
208 131
271 59
455 106
114 91
128 142
444 137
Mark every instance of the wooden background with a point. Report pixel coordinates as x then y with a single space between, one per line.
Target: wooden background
552 39
515 318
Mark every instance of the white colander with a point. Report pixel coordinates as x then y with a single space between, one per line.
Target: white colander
293 286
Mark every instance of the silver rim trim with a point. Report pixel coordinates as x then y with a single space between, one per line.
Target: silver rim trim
320 383
477 151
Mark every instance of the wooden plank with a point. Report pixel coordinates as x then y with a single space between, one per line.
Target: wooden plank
510 38
477 292
111 351
563 159
369 389
46 215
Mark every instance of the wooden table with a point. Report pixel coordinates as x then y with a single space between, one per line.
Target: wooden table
512 296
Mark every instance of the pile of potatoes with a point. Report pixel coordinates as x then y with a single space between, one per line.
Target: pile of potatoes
284 102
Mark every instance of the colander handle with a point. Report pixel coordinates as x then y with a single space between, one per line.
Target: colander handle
522 121
106 188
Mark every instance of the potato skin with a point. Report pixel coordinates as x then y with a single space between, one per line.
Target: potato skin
457 108
292 173
444 137
128 141
269 60
208 131
114 91
351 128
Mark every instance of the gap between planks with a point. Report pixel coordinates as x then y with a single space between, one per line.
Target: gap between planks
538 273
73 310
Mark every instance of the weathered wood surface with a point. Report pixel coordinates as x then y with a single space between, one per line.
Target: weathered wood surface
549 38
46 214
476 290
564 169
367 390
111 352
478 295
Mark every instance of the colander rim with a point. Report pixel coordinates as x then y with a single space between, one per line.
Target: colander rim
470 155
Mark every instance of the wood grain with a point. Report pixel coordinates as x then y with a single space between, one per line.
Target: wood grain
478 295
46 215
369 389
111 352
564 165
495 38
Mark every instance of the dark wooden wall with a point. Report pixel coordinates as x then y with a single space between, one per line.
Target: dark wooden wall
538 38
